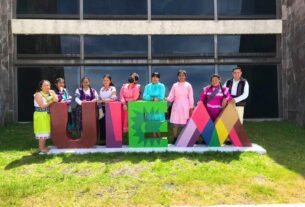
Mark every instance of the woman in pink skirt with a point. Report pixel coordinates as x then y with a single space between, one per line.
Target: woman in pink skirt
215 97
129 92
181 94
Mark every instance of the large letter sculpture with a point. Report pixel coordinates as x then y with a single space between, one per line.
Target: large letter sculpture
138 125
227 124
61 136
113 125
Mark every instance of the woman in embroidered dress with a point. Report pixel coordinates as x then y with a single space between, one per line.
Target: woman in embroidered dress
215 97
129 92
155 91
43 98
64 97
83 94
107 94
181 94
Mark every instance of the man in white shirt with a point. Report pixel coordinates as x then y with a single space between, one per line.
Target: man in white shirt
239 90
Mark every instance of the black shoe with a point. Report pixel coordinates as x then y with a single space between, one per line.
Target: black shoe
102 142
228 142
174 140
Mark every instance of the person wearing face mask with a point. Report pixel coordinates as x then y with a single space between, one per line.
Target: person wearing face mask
129 92
239 90
154 91
215 97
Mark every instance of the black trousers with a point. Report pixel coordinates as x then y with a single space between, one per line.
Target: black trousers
102 126
70 119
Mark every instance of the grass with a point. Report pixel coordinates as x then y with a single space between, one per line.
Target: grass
29 179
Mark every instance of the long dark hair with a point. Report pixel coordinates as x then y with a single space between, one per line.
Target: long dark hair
133 77
92 91
81 83
109 77
183 72
57 80
39 87
82 80
220 85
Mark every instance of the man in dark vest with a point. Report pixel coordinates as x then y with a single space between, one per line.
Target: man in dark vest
239 89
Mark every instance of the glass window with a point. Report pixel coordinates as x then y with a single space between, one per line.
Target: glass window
48 45
263 97
247 45
48 8
28 79
182 9
190 45
116 46
119 75
115 9
246 9
197 75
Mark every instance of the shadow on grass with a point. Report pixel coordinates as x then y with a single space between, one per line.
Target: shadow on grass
119 157
17 137
27 160
284 142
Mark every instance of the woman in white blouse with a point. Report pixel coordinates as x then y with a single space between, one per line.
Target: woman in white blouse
107 94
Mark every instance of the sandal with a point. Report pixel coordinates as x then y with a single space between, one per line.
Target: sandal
44 151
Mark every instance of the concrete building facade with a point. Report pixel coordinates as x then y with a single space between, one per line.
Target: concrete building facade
76 38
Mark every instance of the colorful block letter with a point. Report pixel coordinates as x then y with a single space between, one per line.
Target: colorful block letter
61 136
138 125
114 125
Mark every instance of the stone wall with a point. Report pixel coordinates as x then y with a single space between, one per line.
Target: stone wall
6 63
293 60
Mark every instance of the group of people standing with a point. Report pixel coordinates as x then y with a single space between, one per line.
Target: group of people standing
214 96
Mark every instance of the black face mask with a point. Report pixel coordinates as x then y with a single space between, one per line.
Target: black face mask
130 80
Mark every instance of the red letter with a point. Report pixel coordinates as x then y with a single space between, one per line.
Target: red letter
61 136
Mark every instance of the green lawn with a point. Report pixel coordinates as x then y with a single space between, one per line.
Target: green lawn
29 179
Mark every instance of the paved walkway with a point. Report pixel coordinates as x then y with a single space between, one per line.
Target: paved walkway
171 148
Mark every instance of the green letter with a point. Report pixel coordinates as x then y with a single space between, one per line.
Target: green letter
138 126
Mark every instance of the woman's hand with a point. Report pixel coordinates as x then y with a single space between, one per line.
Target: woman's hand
125 107
191 111
54 96
49 102
232 101
224 103
108 100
